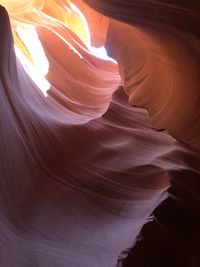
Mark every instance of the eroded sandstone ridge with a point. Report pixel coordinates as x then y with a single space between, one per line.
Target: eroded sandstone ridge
107 159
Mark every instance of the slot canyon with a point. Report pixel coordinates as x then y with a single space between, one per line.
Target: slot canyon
99 133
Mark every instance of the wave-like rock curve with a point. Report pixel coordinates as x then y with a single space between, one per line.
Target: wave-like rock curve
85 175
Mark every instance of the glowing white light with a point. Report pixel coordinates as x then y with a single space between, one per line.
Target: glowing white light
33 72
40 68
30 38
99 52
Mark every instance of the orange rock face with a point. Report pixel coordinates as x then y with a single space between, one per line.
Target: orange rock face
98 156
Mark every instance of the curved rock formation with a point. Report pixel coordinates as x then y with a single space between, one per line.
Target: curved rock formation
83 174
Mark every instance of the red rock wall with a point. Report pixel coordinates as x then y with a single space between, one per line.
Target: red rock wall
83 174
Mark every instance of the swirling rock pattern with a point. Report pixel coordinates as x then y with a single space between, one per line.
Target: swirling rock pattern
83 174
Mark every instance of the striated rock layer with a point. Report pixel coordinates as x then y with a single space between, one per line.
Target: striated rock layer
83 174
